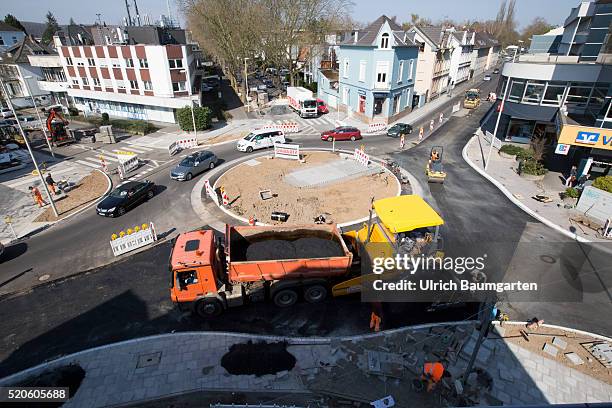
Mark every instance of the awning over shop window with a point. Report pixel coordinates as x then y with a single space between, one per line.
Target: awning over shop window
530 112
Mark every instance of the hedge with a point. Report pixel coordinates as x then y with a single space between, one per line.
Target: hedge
603 183
533 167
511 149
203 118
571 192
133 126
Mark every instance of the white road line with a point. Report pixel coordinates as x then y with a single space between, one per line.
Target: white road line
84 163
108 156
139 148
129 149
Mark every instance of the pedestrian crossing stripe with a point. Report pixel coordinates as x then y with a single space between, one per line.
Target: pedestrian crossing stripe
129 149
108 155
84 163
139 148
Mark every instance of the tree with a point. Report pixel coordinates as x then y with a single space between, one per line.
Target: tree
536 27
416 20
72 22
13 22
203 118
52 28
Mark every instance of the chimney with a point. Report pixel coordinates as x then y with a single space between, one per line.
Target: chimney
355 36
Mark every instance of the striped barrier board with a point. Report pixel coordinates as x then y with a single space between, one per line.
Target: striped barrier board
376 127
361 157
285 127
187 143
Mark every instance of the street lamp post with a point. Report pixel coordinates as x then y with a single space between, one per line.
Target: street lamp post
42 126
195 132
501 109
27 143
246 83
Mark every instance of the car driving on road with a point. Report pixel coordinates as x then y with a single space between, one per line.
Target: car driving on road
342 133
193 165
260 139
399 129
124 197
487 78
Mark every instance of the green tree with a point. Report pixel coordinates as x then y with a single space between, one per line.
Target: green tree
52 28
603 183
203 118
13 22
536 27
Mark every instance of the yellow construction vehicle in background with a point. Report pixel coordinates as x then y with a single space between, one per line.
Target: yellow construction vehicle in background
472 99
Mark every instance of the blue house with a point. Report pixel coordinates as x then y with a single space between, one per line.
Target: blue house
375 78
9 36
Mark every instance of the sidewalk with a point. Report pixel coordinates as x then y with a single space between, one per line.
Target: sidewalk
358 369
503 172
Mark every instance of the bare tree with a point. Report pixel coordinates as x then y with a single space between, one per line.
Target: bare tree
537 26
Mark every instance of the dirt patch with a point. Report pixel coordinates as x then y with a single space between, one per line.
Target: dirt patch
343 201
89 188
69 376
225 138
538 337
258 359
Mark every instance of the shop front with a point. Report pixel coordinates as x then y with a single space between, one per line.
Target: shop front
587 148
529 121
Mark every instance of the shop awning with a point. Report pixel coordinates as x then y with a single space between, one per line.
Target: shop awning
530 112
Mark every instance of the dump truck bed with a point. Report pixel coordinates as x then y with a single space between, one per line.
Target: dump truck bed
257 253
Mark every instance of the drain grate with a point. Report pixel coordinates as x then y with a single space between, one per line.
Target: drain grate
148 360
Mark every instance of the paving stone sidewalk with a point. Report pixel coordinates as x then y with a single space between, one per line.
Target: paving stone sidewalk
361 368
504 171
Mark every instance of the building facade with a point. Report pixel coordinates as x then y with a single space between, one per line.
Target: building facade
9 36
485 53
546 43
585 30
377 68
462 45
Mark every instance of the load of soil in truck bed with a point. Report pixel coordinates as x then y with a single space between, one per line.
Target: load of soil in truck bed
300 248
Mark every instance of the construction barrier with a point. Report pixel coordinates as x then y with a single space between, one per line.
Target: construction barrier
187 143
173 148
287 151
128 163
133 238
441 117
431 125
361 157
402 141
456 107
285 127
376 127
210 192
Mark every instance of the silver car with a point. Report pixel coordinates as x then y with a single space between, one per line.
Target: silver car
193 165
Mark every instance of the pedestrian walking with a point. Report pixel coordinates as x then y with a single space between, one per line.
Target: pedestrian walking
37 196
402 141
571 178
51 183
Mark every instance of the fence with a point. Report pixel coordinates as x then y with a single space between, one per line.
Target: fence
187 143
376 127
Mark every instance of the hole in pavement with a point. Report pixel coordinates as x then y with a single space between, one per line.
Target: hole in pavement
258 358
69 376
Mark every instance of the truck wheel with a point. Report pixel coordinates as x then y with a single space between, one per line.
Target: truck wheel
285 298
315 293
208 308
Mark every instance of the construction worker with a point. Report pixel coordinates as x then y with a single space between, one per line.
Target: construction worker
432 372
376 317
51 183
37 196
435 156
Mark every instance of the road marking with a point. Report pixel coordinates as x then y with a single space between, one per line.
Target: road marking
108 155
84 163
35 178
141 147
130 149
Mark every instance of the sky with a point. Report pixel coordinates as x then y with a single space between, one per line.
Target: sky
112 11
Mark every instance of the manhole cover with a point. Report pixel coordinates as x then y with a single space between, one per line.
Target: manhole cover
148 360
44 277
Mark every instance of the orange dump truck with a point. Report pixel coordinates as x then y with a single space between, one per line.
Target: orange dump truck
257 263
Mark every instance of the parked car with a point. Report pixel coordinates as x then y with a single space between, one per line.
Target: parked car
283 71
6 113
322 107
496 71
260 139
124 197
487 78
399 129
342 133
193 165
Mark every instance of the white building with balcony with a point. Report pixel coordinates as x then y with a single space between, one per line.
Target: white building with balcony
53 79
461 44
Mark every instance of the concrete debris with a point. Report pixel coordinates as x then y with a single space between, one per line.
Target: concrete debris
551 350
562 344
574 358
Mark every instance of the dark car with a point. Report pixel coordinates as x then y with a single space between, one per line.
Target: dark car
399 129
194 164
124 197
342 133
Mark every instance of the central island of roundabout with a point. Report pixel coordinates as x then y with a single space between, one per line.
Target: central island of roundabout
312 186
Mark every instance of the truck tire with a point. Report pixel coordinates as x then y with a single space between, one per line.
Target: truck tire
285 298
315 293
207 308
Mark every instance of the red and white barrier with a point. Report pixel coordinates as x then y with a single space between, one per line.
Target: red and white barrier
285 127
225 198
187 143
361 157
376 127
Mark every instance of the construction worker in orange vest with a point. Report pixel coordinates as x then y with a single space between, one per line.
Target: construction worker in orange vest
376 317
432 372
37 196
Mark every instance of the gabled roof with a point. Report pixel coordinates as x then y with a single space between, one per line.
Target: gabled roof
18 53
435 34
367 36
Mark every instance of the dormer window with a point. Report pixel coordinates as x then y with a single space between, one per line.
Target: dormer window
384 41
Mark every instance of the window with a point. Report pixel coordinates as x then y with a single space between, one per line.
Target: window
91 62
134 84
384 41
381 74
579 93
516 91
553 94
1 40
175 63
362 70
148 85
14 40
345 71
400 74
410 68
80 63
129 63
95 81
144 63
75 82
85 81
534 91
178 86
120 84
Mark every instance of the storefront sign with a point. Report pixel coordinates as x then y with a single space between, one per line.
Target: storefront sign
287 151
586 136
562 149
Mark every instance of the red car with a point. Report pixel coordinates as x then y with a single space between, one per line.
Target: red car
342 133
321 106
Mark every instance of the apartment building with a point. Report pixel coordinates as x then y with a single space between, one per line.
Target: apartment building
9 36
434 62
585 29
375 82
485 53
461 44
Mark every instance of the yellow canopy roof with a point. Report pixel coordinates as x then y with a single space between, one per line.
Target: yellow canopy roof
406 213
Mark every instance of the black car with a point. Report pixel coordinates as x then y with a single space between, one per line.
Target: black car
124 197
399 129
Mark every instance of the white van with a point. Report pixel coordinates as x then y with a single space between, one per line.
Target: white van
260 139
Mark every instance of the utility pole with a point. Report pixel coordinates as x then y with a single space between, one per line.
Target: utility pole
42 125
27 143
501 110
485 320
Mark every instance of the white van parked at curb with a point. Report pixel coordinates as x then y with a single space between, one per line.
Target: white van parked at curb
260 139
